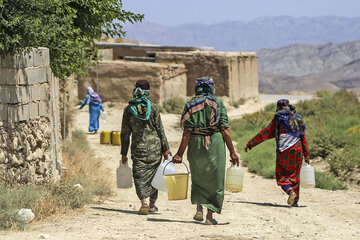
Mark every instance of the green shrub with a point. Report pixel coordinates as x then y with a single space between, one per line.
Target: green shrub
355 130
329 182
322 93
175 105
343 160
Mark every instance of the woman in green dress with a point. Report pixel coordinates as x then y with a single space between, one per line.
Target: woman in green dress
141 119
205 125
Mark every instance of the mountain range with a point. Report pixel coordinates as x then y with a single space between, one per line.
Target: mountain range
309 68
265 32
294 54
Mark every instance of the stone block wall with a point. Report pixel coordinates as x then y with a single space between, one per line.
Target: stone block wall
29 118
116 80
235 73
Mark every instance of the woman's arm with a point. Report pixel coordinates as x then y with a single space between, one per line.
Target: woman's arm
184 142
266 133
228 141
305 149
165 148
85 101
125 135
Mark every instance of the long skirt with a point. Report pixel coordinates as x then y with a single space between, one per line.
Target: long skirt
94 110
207 171
144 170
288 166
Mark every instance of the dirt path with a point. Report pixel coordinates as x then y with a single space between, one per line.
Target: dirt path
259 212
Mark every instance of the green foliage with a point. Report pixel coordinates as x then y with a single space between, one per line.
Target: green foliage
322 93
175 105
332 123
329 182
67 27
239 102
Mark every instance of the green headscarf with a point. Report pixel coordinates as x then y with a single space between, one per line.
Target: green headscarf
140 105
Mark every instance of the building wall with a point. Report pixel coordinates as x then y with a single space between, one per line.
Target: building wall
116 80
235 73
29 118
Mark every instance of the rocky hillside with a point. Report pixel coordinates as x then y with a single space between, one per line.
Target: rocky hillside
266 32
301 59
330 70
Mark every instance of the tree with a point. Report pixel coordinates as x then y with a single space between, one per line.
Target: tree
67 27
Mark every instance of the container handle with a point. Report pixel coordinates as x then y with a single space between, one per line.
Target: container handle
187 169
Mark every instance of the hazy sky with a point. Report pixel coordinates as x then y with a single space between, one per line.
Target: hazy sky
176 12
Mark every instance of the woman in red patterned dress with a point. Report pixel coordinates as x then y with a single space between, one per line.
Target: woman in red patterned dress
289 130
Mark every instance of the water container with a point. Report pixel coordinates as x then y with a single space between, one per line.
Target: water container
234 178
103 115
105 137
177 184
307 176
115 138
124 176
158 180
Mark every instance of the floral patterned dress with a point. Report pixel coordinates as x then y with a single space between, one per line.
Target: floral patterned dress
147 146
289 161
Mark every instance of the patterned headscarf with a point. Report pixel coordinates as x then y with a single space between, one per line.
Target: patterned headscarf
204 85
140 105
93 95
293 122
203 97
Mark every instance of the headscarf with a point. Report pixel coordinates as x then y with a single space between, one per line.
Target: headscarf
203 90
293 122
93 95
204 85
140 105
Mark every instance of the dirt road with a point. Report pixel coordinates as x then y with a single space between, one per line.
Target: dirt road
258 212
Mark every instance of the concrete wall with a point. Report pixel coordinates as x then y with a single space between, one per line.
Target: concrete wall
29 118
116 80
235 73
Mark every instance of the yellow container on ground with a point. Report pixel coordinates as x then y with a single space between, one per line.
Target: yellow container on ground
115 138
177 185
105 137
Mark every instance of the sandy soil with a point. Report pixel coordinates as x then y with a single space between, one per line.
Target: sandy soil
258 212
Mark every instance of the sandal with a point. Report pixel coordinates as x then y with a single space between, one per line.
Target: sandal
198 216
211 222
144 210
154 209
291 199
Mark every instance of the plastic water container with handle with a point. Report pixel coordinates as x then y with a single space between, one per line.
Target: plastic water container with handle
234 178
307 176
158 180
124 176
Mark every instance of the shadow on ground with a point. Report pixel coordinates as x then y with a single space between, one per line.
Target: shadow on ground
264 204
117 210
180 221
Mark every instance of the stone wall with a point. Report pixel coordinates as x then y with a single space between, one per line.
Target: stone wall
29 119
235 73
116 80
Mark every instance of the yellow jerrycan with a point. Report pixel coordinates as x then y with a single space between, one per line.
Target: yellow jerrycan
176 184
104 137
115 138
234 178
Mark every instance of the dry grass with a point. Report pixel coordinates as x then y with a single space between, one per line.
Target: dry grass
51 199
